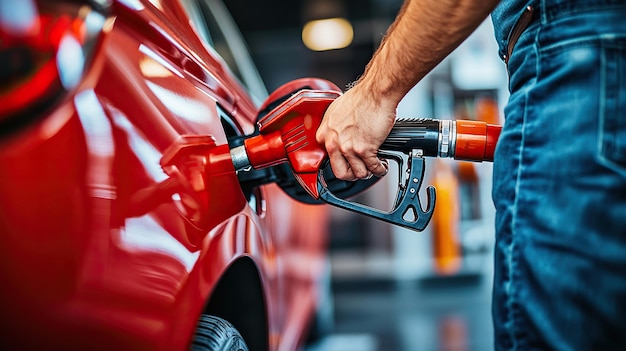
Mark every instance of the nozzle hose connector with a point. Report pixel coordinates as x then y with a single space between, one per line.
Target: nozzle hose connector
459 139
447 138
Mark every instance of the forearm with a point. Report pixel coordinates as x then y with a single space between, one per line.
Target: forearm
423 34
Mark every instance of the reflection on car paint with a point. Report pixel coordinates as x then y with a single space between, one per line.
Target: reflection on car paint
70 61
182 106
147 154
144 233
99 139
133 4
154 66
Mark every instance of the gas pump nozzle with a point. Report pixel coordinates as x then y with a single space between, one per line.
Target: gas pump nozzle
287 134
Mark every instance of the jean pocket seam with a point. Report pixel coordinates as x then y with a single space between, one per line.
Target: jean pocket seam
610 152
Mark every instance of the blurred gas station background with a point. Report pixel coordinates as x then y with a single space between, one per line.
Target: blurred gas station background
394 289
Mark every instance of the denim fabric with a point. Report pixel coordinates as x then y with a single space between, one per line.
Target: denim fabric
560 183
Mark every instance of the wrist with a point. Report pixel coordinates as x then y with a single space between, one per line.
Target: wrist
380 91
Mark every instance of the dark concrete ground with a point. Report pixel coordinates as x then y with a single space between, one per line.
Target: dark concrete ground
428 314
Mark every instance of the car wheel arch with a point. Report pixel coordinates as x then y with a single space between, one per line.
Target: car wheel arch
239 298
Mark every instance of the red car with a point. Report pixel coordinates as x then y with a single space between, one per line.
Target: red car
112 234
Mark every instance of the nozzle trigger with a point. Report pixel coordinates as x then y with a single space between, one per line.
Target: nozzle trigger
407 211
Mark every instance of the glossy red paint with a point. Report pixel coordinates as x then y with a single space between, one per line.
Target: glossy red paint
110 237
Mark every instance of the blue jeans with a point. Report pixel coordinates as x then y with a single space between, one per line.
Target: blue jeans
560 183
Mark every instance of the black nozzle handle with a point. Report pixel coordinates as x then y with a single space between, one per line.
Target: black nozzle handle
407 212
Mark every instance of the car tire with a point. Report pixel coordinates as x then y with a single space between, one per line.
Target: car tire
217 334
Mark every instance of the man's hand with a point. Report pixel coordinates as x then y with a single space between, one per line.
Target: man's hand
353 128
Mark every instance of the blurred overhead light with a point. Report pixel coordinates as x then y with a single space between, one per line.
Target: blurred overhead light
327 34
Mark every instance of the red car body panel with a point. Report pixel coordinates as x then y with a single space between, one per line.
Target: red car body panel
95 253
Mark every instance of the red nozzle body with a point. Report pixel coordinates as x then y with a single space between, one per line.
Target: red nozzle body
287 133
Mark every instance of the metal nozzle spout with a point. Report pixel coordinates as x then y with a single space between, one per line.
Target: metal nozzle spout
240 158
